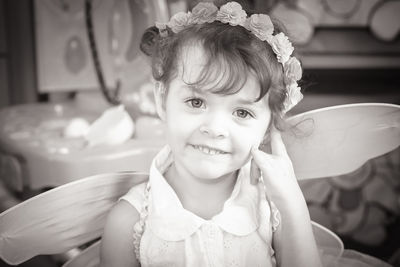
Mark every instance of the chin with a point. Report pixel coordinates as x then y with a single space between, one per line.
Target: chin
210 171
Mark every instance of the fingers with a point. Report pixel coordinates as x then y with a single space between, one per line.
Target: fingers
255 172
260 159
277 145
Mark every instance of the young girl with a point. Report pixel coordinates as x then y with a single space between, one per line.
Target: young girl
224 82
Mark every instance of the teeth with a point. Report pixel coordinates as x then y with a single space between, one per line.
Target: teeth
208 150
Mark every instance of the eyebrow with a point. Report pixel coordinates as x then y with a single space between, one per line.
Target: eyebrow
242 101
246 101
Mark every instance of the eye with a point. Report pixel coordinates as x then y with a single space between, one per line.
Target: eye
243 114
195 102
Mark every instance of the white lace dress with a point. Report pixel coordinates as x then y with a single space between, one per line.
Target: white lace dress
241 235
169 235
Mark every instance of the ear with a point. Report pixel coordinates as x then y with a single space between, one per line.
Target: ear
159 97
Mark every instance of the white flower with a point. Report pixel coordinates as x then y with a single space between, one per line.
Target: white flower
282 47
179 21
161 25
162 28
204 12
293 71
260 25
293 97
232 13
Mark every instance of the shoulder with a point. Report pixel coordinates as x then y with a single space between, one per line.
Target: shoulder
122 214
117 247
135 196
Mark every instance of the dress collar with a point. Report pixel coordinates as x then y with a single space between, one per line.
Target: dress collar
239 215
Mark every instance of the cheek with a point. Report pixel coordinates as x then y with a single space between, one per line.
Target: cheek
252 136
180 126
247 138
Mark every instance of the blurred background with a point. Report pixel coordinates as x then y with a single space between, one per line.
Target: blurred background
64 62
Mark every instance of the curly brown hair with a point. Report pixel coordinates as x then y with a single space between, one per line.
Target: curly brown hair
232 50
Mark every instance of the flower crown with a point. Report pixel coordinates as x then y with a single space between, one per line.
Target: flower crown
260 25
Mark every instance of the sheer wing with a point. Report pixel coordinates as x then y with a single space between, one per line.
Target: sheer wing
337 140
62 218
90 257
326 239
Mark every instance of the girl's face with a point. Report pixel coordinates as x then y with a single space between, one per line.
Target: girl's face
210 134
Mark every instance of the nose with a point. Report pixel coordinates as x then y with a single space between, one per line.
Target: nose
215 126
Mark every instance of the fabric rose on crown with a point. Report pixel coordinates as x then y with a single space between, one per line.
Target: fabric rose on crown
293 71
179 21
260 25
293 97
282 47
232 13
204 12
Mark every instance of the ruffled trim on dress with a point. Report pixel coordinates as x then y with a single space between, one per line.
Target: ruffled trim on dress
275 217
138 228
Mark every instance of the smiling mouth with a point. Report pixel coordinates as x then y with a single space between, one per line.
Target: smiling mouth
209 150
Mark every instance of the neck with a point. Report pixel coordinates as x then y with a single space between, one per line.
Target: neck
204 197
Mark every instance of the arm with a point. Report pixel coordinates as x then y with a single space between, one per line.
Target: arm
117 248
294 240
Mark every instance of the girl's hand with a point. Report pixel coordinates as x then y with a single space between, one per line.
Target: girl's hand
277 171
282 188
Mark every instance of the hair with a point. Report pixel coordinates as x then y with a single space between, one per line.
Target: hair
232 50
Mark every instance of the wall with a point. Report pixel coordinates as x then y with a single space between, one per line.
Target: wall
17 65
4 99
